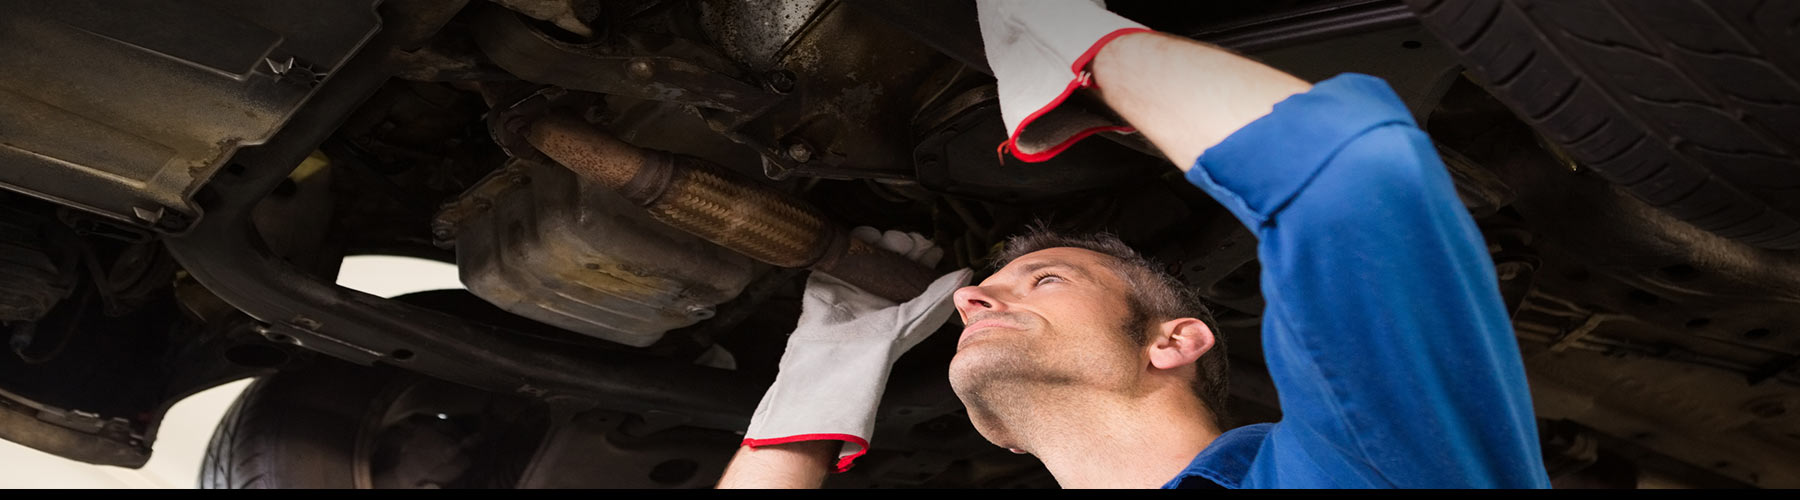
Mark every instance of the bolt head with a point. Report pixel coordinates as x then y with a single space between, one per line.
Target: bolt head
639 69
780 81
799 152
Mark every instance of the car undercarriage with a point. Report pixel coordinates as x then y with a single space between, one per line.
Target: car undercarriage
183 180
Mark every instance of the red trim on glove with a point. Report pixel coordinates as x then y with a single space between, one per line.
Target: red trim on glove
1077 83
843 463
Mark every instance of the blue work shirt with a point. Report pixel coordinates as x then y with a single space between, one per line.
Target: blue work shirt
1384 331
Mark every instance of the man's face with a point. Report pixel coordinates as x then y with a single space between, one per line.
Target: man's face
1051 318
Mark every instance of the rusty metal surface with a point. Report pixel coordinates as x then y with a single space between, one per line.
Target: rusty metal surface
758 222
816 89
689 194
124 108
595 155
853 84
757 32
880 272
642 65
540 242
708 201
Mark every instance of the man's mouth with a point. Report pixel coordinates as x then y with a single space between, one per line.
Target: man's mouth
985 324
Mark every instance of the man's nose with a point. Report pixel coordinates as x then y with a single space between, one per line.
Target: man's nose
973 299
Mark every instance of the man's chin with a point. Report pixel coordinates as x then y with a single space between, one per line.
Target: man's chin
969 361
965 372
973 379
978 367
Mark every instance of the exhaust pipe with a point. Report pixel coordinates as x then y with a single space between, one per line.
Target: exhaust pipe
715 204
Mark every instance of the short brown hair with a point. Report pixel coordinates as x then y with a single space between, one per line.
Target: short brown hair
1155 296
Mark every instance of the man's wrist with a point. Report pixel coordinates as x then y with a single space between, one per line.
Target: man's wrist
799 464
1186 96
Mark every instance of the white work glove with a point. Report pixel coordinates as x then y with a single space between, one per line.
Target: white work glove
1039 50
838 358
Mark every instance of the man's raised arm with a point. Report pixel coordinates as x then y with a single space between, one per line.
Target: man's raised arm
1384 331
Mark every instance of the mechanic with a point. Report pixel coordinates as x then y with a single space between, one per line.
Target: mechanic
1383 331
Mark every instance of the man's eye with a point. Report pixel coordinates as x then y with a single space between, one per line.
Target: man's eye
1041 279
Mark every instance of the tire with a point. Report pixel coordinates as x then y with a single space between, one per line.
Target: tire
1693 106
286 431
324 427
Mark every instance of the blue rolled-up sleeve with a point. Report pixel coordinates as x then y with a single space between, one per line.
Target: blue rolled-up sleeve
1384 331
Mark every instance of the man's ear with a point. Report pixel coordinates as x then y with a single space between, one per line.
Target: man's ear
1179 342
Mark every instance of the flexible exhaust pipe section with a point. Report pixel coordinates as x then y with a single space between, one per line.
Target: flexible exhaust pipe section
701 198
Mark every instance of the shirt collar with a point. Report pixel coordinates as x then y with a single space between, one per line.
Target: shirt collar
1225 461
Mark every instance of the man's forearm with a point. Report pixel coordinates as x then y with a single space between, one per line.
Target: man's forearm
1183 95
801 464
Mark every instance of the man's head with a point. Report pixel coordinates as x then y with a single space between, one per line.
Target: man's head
1081 312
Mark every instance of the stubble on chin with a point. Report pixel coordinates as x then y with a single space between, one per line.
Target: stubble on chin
978 378
997 378
972 371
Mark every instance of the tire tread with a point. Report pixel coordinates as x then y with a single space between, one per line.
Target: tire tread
1681 102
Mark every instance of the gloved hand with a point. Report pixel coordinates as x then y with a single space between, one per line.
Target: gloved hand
1039 50
838 358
